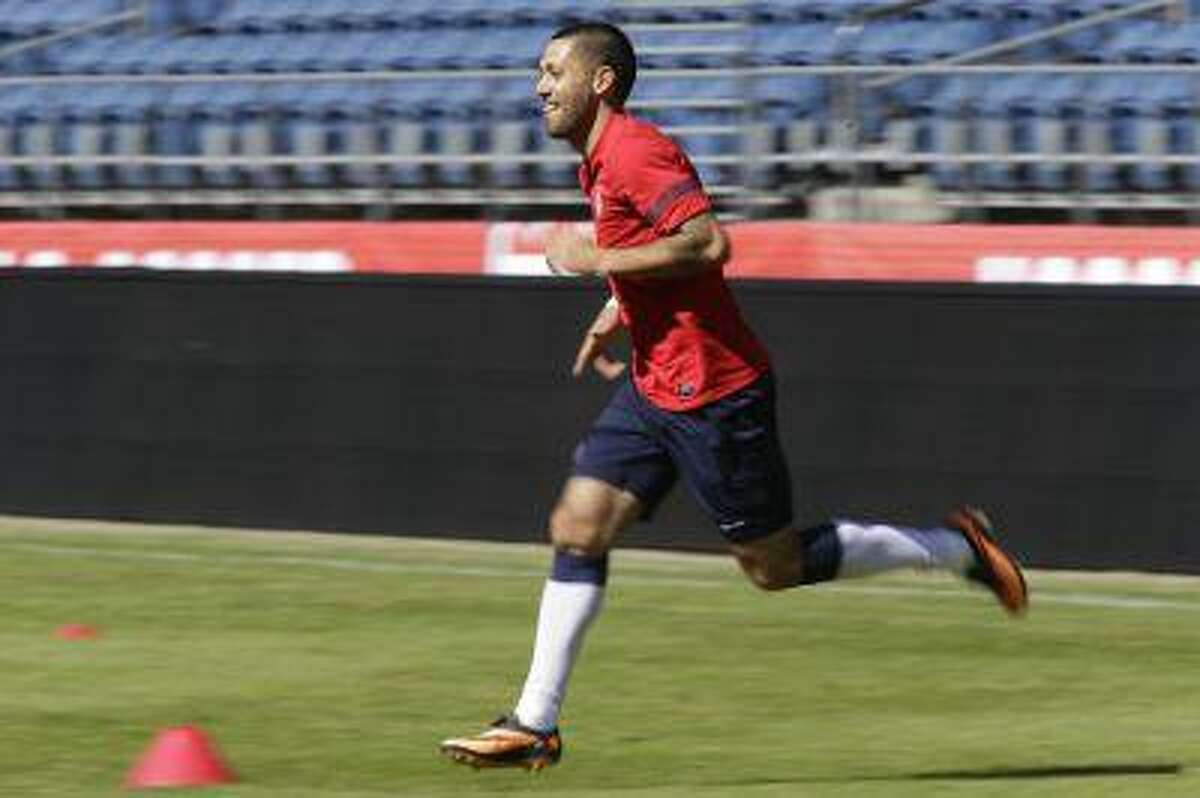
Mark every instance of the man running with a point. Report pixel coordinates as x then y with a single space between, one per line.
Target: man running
699 402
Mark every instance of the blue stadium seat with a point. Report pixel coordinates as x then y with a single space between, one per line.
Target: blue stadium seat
398 50
1166 126
218 118
337 119
792 118
510 48
399 110
796 45
943 121
253 16
998 132
788 11
131 55
516 116
371 15
16 106
134 106
174 133
634 13
88 127
1184 44
1057 112
665 49
28 20
888 43
1141 41
1107 127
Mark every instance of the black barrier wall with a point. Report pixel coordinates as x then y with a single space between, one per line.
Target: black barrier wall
445 406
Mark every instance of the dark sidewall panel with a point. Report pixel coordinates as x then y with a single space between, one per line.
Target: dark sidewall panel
444 406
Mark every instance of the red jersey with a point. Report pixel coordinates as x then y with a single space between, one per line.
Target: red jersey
690 343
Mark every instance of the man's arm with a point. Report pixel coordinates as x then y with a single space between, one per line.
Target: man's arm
594 348
699 245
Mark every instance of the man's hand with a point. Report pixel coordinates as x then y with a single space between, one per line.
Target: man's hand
569 251
595 342
699 245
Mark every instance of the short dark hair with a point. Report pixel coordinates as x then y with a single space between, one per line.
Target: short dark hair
609 45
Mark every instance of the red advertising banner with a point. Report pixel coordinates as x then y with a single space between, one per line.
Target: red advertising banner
774 250
426 247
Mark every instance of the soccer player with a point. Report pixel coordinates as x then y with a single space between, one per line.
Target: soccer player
699 402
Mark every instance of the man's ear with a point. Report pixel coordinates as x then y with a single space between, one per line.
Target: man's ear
604 79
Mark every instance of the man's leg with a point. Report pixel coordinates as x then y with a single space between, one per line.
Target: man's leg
589 516
847 549
585 522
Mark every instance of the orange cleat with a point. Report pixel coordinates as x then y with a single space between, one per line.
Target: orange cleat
996 569
506 744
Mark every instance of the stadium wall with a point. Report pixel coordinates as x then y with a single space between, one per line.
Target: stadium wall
443 405
761 250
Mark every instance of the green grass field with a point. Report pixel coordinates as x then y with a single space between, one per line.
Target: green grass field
331 666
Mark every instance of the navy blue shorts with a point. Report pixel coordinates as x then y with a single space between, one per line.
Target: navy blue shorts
727 452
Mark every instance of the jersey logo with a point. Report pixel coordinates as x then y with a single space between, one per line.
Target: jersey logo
597 204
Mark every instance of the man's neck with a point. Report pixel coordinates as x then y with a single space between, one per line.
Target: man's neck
588 143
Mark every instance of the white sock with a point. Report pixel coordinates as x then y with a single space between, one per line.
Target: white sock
566 611
872 548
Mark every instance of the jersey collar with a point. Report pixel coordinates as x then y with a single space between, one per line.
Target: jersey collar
595 159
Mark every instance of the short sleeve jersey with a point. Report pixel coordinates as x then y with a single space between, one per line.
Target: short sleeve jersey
691 345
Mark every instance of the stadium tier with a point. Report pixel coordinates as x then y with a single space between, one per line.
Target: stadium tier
340 94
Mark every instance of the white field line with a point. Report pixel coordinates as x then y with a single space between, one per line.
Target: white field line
336 563
1077 599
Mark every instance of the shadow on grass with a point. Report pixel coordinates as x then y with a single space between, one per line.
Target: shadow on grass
1052 772
1065 771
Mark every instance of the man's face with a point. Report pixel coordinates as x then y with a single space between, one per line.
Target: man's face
564 83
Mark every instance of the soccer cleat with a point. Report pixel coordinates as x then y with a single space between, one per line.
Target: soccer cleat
994 568
506 744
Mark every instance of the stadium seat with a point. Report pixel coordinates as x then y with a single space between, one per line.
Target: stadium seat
786 11
1099 133
16 107
253 16
997 131
912 41
1057 114
217 119
402 109
1141 40
133 107
804 44
86 130
666 49
8 147
943 123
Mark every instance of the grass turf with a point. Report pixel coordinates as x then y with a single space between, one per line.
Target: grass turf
330 666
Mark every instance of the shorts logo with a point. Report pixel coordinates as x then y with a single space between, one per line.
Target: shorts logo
685 390
597 204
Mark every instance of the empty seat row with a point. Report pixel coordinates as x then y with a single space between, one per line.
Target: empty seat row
843 10
272 16
308 52
793 44
432 132
25 19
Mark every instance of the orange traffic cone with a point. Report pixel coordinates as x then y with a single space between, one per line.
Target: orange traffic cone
181 756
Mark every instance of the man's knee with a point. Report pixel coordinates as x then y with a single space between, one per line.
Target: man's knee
772 563
771 575
577 532
590 514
